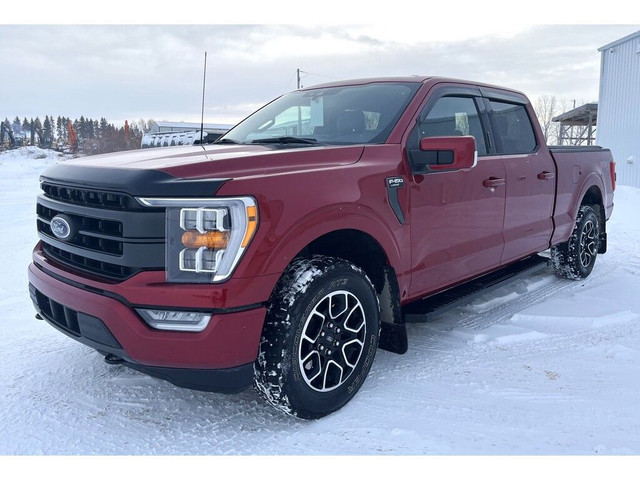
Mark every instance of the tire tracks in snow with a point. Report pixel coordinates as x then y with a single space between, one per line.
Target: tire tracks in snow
547 286
452 342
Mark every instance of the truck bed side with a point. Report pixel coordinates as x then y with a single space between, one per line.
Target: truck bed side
584 175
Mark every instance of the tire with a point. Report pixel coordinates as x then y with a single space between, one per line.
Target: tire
575 258
319 339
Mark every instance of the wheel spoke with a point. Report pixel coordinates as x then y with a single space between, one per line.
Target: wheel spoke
332 341
361 323
588 244
336 305
347 346
310 364
330 369
311 334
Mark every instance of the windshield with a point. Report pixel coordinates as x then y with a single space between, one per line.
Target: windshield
334 115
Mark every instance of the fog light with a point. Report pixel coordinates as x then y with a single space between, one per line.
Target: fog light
175 320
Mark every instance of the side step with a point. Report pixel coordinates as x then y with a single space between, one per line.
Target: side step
428 308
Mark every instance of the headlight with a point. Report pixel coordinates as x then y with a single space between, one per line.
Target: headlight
205 238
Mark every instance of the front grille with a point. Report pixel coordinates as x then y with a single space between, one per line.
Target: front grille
89 265
112 237
94 233
62 316
93 198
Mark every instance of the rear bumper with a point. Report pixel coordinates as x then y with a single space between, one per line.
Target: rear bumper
220 358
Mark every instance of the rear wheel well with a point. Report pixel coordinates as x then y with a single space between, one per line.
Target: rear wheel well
593 197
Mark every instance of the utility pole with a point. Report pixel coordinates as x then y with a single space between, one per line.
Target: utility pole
298 72
204 82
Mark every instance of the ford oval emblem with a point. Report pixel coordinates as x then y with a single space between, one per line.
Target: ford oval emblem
61 227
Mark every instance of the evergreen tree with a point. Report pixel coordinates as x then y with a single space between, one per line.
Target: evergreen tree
76 126
104 127
59 133
89 127
47 132
17 126
37 125
25 124
65 132
32 132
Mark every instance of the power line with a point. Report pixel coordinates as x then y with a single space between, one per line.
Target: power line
298 72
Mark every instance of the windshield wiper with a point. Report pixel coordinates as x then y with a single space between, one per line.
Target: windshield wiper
226 140
285 140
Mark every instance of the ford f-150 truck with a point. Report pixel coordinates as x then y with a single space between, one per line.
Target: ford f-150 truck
287 252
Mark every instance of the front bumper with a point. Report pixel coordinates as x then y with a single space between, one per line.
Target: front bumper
220 358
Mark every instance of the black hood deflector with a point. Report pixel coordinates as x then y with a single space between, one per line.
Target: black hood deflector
135 182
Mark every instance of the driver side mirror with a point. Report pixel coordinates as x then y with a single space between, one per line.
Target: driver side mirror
445 153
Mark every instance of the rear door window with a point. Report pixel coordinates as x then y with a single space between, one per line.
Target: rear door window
512 127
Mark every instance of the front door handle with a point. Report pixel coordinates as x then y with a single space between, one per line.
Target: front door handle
493 182
545 175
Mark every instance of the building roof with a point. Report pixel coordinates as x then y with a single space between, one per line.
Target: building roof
579 116
192 125
620 40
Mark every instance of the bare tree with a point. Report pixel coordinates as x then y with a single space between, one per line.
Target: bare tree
147 125
546 107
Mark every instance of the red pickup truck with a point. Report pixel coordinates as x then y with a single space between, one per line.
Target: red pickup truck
287 252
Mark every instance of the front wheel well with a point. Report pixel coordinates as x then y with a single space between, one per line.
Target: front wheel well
362 250
354 246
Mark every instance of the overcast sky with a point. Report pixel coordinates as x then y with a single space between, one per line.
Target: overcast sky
132 72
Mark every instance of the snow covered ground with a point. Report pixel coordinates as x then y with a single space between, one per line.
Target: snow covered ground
540 366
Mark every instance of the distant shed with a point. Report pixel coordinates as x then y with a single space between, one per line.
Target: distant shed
619 106
578 126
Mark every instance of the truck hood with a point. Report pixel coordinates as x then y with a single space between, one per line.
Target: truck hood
193 170
229 161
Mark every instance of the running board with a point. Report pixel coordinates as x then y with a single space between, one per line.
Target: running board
428 308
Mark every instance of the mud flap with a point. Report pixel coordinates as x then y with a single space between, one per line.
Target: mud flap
393 331
602 248
393 338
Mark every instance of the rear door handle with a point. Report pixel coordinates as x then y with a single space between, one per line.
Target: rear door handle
545 175
493 182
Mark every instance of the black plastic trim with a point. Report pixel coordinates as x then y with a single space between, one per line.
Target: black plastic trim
577 148
135 255
502 95
393 184
223 380
142 224
430 307
135 182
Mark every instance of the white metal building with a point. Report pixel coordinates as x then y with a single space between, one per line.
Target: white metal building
619 106
172 127
169 134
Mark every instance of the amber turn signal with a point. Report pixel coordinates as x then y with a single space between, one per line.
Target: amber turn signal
252 225
211 240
